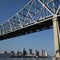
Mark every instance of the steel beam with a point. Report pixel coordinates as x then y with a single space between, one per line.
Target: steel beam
44 5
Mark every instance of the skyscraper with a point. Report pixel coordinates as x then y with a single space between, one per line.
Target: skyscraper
30 52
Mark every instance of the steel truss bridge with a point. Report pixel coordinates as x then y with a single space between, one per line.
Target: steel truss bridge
36 15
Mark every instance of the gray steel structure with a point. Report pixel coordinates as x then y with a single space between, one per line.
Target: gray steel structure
36 15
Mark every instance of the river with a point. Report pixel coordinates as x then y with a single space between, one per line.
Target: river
25 58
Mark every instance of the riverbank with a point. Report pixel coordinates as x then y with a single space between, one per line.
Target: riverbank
30 56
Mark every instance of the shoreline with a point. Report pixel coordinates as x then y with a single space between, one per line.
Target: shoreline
30 56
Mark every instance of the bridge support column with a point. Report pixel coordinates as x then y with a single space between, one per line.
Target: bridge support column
56 29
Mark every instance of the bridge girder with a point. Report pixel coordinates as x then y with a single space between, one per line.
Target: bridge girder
32 12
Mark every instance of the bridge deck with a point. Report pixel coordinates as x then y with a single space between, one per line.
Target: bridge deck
34 27
40 25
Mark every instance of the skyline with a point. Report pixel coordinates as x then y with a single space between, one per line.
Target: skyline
34 40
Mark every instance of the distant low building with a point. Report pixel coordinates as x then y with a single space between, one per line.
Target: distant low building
5 55
43 53
5 52
12 53
18 53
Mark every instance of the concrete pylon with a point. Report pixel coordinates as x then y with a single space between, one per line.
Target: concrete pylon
56 36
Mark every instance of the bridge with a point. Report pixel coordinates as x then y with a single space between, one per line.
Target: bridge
36 15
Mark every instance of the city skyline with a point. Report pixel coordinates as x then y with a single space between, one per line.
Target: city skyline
39 40
26 54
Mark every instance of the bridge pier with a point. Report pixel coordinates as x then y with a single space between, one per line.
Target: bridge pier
56 29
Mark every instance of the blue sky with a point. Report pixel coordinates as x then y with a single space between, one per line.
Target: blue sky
39 40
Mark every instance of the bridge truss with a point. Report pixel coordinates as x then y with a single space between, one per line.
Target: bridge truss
36 13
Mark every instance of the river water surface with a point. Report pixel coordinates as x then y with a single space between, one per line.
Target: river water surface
25 58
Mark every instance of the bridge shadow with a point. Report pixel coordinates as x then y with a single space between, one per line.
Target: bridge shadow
59 22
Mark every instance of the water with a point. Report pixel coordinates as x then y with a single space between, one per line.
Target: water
25 58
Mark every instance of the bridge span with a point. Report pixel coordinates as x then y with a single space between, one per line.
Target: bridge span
35 26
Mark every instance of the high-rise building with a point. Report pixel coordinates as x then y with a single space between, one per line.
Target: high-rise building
23 52
43 52
46 53
40 53
30 51
36 53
